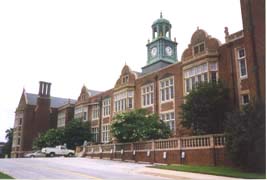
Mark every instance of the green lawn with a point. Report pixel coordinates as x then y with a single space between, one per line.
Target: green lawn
4 176
220 171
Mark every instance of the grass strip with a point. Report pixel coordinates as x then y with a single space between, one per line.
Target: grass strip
212 170
5 176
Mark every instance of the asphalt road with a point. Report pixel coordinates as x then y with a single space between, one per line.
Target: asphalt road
94 169
74 168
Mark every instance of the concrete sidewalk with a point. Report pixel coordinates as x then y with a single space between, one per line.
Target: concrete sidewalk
180 175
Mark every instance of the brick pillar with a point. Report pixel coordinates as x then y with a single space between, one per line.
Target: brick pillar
213 153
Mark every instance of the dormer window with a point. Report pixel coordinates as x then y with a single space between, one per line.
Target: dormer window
199 48
125 79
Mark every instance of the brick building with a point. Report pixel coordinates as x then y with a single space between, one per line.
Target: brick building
163 82
36 113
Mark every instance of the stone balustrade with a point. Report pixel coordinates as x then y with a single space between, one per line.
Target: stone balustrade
190 142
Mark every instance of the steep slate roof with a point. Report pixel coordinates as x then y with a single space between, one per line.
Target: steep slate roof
56 102
93 92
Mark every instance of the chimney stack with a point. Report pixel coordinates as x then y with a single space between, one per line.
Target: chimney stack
44 89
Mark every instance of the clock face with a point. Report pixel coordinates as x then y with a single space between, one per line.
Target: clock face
168 50
153 52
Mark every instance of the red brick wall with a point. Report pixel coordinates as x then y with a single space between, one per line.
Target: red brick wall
228 66
27 129
253 16
207 157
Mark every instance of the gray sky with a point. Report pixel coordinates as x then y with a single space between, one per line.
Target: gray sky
70 43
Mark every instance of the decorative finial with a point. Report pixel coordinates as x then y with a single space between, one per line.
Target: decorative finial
197 27
148 41
226 32
174 39
160 14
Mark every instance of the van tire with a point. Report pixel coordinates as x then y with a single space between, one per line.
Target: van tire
70 155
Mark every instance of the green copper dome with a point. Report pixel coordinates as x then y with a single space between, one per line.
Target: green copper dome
161 20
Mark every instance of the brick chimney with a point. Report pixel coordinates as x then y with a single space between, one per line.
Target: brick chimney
42 121
44 89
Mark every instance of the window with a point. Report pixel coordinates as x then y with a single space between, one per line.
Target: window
106 107
125 79
245 99
123 100
199 73
242 63
18 141
147 92
95 112
213 76
84 116
105 133
20 121
94 133
187 85
61 119
81 113
130 99
167 89
199 48
213 66
169 119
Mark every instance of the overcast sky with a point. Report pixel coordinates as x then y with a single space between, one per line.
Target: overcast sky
70 43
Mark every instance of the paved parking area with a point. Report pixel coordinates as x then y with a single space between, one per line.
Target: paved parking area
86 168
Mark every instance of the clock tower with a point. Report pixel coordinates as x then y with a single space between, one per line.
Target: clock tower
161 51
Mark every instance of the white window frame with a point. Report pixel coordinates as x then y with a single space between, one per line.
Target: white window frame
106 107
198 47
169 118
61 119
199 70
105 133
167 89
240 59
125 79
95 112
77 111
95 133
122 100
242 99
147 95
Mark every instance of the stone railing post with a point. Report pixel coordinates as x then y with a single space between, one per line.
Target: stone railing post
153 145
100 152
212 146
153 149
212 143
132 147
179 143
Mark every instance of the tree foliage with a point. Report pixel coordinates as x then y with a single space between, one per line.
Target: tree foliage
245 134
8 145
50 138
205 108
74 134
138 125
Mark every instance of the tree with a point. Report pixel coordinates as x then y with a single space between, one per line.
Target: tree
76 132
138 125
245 137
205 108
8 145
50 138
